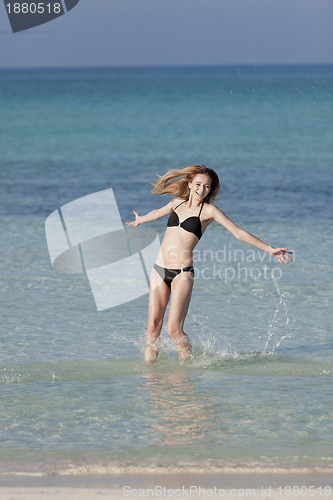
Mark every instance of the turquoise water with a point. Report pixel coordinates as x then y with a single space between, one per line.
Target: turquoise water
75 393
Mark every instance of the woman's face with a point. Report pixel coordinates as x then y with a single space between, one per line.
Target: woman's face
200 187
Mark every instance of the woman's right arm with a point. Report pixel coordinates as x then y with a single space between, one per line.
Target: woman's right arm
153 215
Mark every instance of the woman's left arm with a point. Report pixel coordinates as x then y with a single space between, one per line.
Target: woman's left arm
279 253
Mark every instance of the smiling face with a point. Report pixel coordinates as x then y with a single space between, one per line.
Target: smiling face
199 187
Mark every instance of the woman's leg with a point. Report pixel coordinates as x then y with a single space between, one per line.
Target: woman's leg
181 291
158 300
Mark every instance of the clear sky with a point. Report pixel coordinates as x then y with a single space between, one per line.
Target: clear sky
175 32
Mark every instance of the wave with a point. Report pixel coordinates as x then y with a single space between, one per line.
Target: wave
250 364
151 469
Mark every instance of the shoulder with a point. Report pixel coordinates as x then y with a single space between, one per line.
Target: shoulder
170 206
211 210
176 201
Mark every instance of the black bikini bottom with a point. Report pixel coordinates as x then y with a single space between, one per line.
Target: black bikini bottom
168 275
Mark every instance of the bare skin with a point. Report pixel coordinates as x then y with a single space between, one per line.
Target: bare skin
177 252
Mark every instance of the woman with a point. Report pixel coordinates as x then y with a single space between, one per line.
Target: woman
190 213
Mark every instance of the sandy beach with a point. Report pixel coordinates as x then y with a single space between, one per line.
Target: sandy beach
258 486
52 493
94 494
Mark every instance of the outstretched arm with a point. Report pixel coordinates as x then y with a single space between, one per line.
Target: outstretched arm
150 216
279 253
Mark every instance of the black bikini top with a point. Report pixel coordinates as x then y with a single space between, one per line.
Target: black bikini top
191 224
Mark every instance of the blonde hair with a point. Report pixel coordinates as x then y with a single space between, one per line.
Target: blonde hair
175 182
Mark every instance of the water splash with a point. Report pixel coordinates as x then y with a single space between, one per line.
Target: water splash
278 329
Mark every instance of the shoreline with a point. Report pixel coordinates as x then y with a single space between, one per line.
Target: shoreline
152 476
146 469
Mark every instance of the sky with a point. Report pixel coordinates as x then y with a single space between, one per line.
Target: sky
175 32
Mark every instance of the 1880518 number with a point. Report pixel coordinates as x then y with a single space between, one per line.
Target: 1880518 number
33 8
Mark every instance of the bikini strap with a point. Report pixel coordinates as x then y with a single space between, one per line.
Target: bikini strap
201 208
179 205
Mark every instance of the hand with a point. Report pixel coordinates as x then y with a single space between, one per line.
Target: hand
280 254
135 222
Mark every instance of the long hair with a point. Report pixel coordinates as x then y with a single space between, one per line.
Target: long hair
175 182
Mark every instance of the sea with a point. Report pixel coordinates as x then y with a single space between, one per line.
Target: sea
76 395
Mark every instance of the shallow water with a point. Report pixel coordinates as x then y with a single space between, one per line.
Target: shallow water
75 392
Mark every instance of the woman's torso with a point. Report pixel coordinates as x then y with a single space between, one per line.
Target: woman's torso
185 227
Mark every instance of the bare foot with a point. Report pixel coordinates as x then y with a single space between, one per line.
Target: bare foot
151 352
184 348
